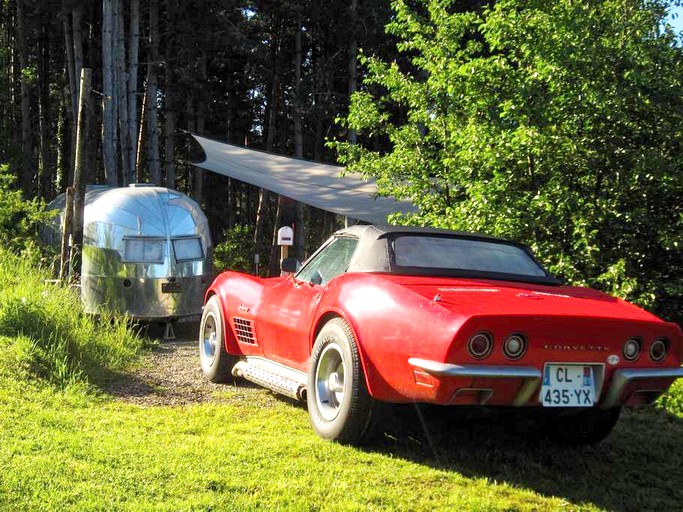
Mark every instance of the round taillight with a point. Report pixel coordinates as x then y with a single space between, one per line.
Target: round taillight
515 346
631 349
659 349
480 345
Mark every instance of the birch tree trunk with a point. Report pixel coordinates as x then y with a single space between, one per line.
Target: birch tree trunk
109 105
152 93
133 56
169 104
299 235
122 92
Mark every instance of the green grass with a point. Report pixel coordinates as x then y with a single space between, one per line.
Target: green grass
55 340
65 445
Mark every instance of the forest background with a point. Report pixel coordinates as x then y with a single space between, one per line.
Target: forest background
558 124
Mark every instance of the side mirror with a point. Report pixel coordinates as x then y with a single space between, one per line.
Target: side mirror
289 265
316 278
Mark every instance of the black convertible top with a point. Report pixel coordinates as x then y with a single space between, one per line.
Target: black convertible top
374 253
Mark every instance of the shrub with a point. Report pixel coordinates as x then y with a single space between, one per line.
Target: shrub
236 251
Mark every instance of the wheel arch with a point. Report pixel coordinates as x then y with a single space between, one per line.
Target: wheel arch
331 313
229 340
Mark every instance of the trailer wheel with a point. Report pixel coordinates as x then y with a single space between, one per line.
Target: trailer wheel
215 361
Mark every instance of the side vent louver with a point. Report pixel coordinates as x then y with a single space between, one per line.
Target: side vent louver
244 329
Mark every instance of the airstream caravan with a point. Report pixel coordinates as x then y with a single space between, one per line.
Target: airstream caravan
146 251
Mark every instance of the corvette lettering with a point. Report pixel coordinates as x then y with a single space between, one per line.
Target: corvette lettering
585 348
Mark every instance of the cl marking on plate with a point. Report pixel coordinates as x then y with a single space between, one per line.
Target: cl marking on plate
613 359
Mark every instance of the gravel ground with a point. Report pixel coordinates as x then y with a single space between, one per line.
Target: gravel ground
170 375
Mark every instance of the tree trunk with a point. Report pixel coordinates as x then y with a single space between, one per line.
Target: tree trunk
81 172
169 104
299 235
77 17
353 58
109 114
152 93
198 172
46 177
70 66
28 166
140 175
122 92
133 51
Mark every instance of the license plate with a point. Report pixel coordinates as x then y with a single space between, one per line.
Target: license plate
568 385
171 288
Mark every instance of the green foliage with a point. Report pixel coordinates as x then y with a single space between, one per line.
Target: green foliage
236 251
555 123
19 218
45 332
672 400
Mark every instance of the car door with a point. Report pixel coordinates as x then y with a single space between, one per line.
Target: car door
288 308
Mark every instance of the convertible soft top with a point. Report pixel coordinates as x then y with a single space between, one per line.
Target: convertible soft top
373 253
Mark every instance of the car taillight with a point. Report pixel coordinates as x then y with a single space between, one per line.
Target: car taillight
515 346
480 345
631 349
659 349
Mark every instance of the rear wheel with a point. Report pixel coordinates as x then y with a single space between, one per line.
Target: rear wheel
216 363
339 404
589 426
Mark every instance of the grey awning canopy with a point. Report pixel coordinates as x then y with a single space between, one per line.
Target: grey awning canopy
313 183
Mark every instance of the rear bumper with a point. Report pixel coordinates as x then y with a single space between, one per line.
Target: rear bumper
613 396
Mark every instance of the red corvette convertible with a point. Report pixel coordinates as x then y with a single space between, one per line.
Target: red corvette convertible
399 314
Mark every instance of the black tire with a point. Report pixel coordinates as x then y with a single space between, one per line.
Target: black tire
216 363
339 404
589 426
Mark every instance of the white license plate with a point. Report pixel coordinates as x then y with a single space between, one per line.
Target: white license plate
568 385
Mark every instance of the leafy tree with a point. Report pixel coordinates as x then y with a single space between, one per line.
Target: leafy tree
555 123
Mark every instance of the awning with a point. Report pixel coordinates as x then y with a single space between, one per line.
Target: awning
308 182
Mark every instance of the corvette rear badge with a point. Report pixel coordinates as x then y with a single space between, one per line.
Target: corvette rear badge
613 359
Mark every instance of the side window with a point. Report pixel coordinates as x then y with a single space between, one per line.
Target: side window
330 262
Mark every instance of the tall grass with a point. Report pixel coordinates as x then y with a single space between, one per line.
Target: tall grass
44 331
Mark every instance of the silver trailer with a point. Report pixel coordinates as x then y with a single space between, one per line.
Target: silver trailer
146 251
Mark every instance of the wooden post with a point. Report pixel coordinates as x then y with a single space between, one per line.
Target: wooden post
66 233
84 107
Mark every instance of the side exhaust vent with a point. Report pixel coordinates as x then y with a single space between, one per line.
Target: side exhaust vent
244 330
271 376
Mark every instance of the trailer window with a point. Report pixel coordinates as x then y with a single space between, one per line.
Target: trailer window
143 250
188 249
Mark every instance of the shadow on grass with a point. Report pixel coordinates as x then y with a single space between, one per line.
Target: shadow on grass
638 467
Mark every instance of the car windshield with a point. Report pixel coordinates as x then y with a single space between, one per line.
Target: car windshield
462 254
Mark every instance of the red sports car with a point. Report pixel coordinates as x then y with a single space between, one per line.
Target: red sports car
399 314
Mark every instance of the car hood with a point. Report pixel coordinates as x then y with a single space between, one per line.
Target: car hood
485 297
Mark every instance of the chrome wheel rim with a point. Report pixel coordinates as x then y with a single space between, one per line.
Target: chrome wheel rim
209 340
329 382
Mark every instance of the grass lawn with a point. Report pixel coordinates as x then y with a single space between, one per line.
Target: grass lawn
70 449
65 445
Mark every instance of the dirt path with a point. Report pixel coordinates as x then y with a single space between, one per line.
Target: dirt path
170 375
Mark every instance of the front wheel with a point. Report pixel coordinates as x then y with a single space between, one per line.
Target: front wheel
215 361
339 404
589 426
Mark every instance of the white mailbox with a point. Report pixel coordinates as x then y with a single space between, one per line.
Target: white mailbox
285 236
